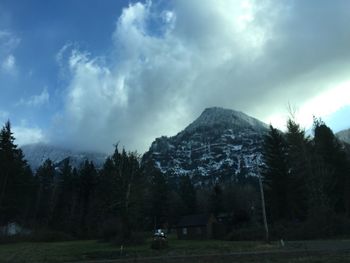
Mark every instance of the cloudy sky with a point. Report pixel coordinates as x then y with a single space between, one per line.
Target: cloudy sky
87 74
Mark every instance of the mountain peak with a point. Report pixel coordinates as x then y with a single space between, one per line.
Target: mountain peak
221 145
225 117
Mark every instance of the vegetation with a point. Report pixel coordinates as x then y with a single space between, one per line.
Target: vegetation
306 181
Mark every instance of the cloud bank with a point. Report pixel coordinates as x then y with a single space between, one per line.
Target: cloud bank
170 62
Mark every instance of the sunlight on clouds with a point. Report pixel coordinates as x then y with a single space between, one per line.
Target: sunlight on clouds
243 54
325 104
320 106
26 135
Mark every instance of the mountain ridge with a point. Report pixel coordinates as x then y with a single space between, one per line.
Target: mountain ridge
344 135
37 153
219 145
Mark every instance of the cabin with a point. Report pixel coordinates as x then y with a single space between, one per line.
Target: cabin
196 226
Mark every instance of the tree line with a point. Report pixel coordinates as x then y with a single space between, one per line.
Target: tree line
119 200
307 180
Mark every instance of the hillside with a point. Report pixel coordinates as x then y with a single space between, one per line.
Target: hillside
220 145
37 153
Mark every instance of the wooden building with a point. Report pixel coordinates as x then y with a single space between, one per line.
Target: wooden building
196 227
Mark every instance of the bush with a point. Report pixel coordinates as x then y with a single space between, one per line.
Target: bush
321 223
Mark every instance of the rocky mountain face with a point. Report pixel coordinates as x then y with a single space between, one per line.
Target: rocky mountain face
344 135
37 153
219 146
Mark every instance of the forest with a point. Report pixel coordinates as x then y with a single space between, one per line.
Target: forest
305 180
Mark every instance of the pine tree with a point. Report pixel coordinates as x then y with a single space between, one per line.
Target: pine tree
44 199
87 188
300 169
187 193
216 200
275 173
61 219
16 182
158 196
336 168
124 201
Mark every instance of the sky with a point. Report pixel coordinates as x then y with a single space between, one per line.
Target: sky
88 74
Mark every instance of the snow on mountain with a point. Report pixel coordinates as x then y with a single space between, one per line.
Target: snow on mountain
220 145
344 135
37 153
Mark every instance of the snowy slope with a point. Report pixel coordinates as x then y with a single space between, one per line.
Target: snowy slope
344 135
37 153
218 146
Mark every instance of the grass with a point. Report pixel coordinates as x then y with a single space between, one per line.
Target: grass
183 251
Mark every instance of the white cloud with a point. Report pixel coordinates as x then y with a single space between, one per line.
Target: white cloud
9 63
36 100
8 43
254 56
27 135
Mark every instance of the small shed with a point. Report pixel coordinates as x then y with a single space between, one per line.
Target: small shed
196 226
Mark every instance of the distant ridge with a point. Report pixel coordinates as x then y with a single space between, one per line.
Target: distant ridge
37 153
344 135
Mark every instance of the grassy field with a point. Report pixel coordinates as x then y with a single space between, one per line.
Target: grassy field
178 251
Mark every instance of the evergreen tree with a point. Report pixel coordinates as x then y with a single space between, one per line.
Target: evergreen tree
216 200
16 182
336 169
87 187
275 173
125 200
159 197
187 193
61 219
44 200
300 169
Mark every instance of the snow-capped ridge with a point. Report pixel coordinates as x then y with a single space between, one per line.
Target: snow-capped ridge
221 116
37 153
344 135
220 145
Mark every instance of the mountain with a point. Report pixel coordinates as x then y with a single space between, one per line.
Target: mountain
37 153
220 145
344 135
